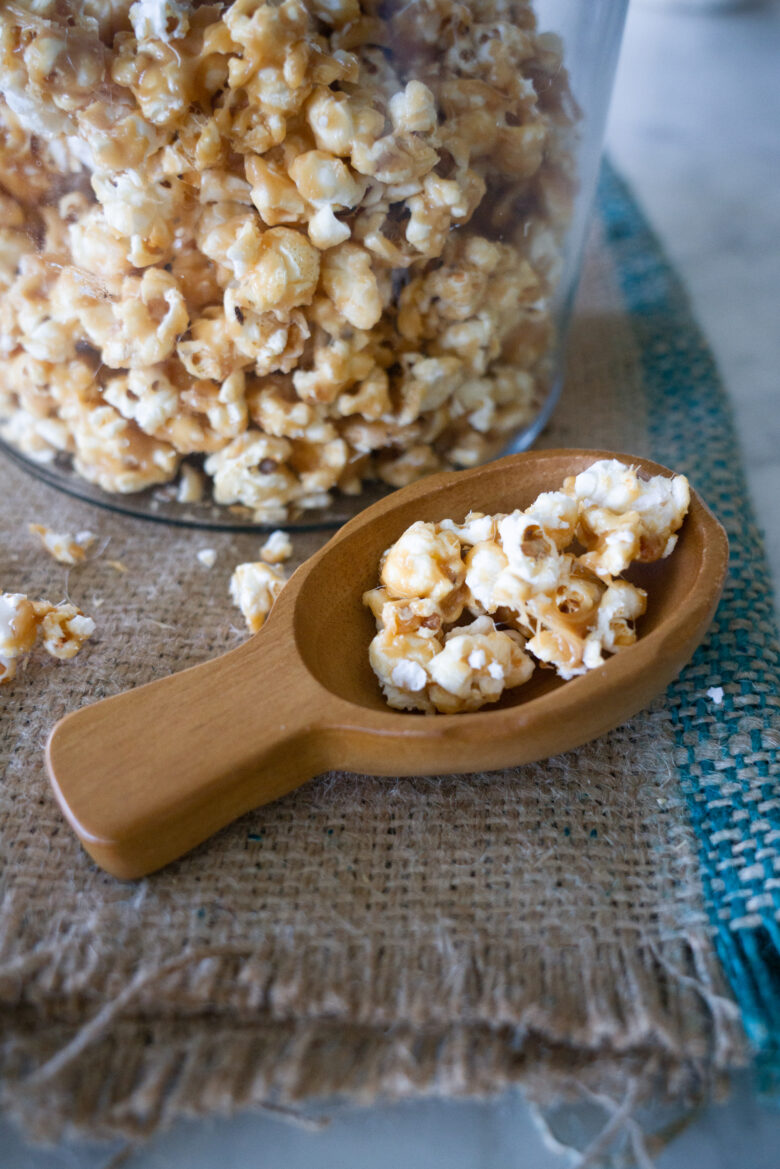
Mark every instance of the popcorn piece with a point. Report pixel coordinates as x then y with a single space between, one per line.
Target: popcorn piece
116 454
254 587
252 470
277 548
426 562
348 280
417 615
578 626
62 628
531 554
163 20
625 517
400 663
274 194
141 327
517 569
557 514
281 272
413 109
191 483
613 539
326 184
620 606
63 547
207 557
18 632
477 664
476 527
564 618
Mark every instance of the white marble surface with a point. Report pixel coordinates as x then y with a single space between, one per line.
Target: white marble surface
696 127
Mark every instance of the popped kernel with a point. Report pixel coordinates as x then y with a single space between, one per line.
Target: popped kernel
18 632
62 630
162 20
253 588
191 485
478 662
65 549
426 562
625 516
277 548
400 662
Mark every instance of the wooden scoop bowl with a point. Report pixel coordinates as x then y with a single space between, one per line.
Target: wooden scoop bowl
146 775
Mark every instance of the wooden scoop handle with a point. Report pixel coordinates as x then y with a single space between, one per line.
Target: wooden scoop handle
146 775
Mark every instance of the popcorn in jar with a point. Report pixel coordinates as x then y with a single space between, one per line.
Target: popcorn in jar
276 252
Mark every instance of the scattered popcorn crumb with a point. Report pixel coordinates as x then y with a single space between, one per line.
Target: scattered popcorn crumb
207 557
716 694
65 549
254 587
117 565
277 548
557 608
62 630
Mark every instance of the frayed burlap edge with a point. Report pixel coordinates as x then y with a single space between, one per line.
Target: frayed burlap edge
636 1020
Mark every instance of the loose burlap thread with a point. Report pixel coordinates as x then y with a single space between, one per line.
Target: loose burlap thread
363 937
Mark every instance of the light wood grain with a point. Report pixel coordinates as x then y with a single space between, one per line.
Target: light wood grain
146 775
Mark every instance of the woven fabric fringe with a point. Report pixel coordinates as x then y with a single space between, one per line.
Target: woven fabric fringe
728 754
363 937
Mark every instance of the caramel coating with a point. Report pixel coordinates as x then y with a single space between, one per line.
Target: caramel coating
61 629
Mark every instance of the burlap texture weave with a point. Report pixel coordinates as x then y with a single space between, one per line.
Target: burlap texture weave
362 937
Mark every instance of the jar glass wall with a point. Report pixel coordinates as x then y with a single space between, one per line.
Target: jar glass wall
261 261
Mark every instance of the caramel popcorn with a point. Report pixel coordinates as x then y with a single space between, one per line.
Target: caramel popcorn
66 549
478 662
254 587
62 630
625 517
190 487
530 596
277 548
315 241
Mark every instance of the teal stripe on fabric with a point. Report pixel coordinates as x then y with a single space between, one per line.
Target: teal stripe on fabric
728 755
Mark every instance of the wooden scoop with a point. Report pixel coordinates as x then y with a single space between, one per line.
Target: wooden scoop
146 775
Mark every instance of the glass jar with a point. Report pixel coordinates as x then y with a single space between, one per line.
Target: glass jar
289 253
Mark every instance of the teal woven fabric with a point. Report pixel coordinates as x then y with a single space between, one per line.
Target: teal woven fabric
729 753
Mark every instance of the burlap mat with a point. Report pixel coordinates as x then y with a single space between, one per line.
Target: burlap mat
362 937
